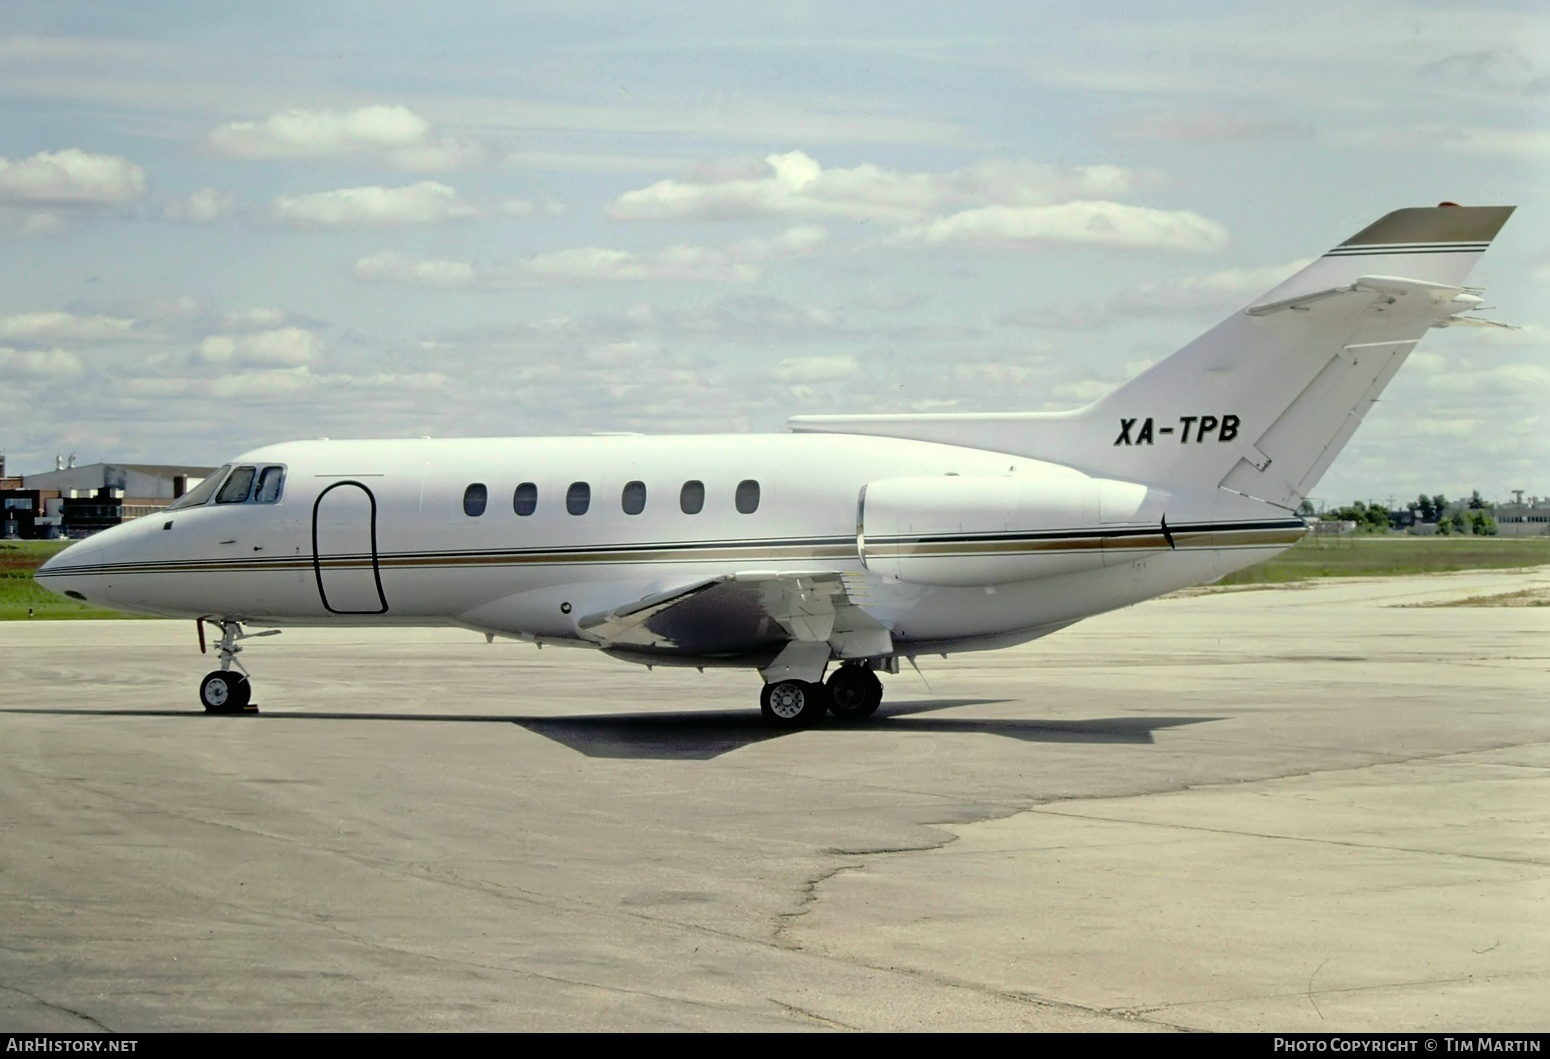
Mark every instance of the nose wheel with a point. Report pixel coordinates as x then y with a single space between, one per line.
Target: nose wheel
227 690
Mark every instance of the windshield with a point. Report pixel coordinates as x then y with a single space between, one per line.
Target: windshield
200 493
237 487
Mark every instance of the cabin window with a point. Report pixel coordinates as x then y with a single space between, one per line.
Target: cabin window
237 487
691 498
474 499
271 482
525 500
201 492
578 498
634 498
747 496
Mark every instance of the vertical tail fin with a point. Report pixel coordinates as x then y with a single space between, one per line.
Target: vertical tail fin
1263 402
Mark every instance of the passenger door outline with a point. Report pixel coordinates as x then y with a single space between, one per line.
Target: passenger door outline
342 587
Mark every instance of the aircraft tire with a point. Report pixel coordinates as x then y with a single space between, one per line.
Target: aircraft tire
224 692
854 693
793 703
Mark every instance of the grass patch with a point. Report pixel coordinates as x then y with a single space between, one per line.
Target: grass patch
1380 556
19 593
1528 597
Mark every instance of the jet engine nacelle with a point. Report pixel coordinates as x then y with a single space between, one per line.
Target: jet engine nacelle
968 530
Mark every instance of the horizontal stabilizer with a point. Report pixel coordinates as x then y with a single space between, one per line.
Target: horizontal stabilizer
1395 286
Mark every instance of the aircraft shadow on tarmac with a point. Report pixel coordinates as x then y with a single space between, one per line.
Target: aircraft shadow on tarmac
704 734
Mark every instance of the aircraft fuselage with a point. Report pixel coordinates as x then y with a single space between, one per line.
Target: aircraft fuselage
382 532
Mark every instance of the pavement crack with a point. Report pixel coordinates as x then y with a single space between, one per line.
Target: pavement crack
57 1007
807 895
812 1016
808 892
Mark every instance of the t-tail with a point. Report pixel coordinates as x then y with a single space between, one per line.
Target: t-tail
1263 402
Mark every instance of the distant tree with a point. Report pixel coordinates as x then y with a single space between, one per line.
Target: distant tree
1475 503
1370 516
1481 524
1439 505
1423 504
1459 523
1376 517
1443 527
1305 509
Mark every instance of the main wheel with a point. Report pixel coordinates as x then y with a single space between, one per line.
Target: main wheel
224 692
854 693
793 703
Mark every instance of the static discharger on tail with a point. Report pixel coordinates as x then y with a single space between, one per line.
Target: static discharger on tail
837 549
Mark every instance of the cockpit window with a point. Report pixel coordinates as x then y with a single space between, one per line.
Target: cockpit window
201 492
237 487
271 481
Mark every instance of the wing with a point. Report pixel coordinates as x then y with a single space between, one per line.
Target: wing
798 618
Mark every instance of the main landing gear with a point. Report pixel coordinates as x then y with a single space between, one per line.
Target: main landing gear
224 691
852 693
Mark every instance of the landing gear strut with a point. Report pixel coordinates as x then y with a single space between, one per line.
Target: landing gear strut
224 691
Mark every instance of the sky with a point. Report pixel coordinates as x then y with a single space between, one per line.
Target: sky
229 224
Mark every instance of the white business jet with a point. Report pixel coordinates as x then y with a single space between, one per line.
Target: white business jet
841 547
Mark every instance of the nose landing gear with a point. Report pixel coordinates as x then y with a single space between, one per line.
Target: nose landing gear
223 691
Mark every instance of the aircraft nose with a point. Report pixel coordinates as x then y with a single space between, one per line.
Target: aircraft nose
61 572
82 571
61 562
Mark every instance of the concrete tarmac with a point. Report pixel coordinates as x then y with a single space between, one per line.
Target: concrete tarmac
1304 808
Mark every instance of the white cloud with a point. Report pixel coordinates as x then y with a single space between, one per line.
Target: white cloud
202 207
300 133
261 318
737 262
1105 224
794 185
399 136
43 364
592 264
1083 392
72 179
815 369
281 347
1224 289
373 206
57 326
531 208
1505 380
262 384
14 222
442 156
426 272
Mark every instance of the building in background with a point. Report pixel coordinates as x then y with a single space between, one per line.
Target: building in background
75 502
1522 517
